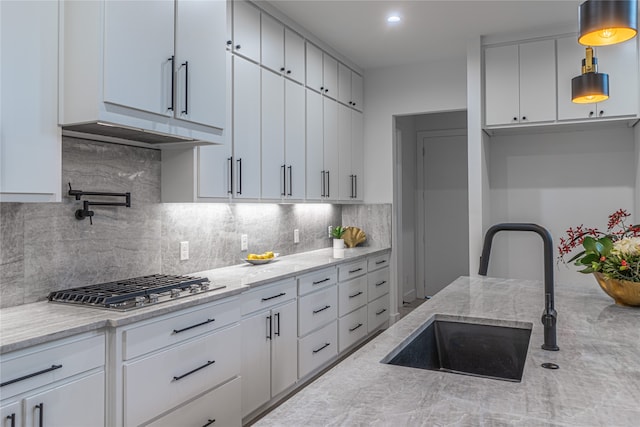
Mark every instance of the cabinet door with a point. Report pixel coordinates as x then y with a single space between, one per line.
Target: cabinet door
537 81
294 56
314 68
284 348
272 41
501 85
570 55
330 149
620 61
315 147
344 84
30 162
357 91
246 30
200 61
345 181
330 76
137 63
295 139
273 162
75 404
11 415
257 334
357 154
246 129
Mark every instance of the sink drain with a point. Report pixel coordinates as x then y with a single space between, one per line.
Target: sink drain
549 365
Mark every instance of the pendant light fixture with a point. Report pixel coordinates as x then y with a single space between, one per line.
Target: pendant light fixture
591 86
603 23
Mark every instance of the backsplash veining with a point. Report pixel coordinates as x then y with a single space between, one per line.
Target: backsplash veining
44 248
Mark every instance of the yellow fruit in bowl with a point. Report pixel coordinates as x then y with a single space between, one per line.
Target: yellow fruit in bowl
252 256
268 255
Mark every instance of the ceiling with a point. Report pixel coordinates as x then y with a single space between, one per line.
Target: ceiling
430 29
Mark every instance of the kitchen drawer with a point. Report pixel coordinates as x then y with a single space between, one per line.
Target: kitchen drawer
351 270
219 407
351 295
268 296
50 362
378 283
155 383
352 328
378 261
317 280
317 349
158 333
378 313
317 309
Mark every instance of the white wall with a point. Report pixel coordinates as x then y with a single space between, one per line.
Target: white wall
637 212
557 180
403 90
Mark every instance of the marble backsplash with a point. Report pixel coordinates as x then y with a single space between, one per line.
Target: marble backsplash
44 248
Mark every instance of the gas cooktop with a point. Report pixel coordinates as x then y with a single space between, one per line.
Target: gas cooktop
138 292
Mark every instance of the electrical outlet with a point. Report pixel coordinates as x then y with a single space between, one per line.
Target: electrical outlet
184 251
244 242
296 236
329 230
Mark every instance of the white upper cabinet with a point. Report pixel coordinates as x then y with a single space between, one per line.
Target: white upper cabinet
315 148
330 149
272 42
294 56
274 167
520 83
351 153
349 87
294 137
246 30
322 72
30 159
619 61
329 76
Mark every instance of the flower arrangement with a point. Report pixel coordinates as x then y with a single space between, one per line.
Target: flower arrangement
615 254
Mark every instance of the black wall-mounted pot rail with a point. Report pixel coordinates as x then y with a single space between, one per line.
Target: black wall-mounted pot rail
86 212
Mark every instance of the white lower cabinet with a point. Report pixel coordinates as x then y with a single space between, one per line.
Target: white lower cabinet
61 383
269 359
317 348
218 407
352 328
378 313
317 309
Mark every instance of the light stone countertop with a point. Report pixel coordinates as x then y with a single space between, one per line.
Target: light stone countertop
598 383
30 324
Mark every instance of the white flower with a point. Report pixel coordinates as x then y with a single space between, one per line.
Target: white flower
628 246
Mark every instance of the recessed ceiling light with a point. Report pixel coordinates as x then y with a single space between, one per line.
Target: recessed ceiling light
393 19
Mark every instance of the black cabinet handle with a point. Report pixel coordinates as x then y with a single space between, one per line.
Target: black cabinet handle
277 329
290 193
269 328
288 71
239 161
44 371
321 348
381 283
173 81
186 87
321 309
381 311
322 184
381 262
356 294
601 113
209 422
12 417
326 90
177 331
282 68
590 113
238 47
515 119
40 408
209 363
229 42
355 327
328 185
284 180
230 160
355 271
275 296
355 186
321 281
524 117
322 89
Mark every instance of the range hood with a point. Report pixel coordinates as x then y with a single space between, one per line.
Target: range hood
126 135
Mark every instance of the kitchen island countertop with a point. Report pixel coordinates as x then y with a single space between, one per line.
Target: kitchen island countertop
597 384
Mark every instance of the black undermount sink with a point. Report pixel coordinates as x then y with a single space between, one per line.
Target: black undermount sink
466 346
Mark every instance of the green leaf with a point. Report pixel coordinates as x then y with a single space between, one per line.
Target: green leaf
607 245
586 270
589 244
576 256
589 258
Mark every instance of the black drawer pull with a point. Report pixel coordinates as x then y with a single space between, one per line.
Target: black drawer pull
40 406
381 283
177 331
381 311
355 295
44 371
12 417
209 422
355 327
322 348
355 271
321 309
381 262
321 281
275 296
209 362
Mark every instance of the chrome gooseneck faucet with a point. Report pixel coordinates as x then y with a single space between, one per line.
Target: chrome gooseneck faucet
549 315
